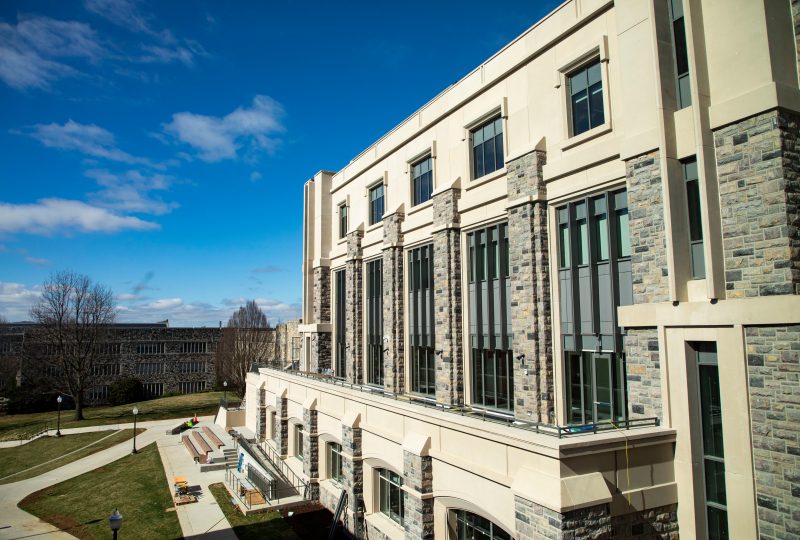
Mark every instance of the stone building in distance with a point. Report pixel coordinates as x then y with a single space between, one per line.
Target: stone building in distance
562 299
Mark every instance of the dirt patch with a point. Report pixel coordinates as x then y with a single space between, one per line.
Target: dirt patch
68 524
31 499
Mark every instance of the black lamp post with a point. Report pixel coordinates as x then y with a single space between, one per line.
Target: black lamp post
115 522
59 399
135 412
225 394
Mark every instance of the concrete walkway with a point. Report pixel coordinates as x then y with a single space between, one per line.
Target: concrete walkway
196 519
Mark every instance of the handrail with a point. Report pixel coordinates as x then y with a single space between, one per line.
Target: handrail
293 483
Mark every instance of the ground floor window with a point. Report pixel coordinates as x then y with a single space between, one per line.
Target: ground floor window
190 387
334 461
471 526
391 494
595 388
423 370
153 389
97 393
298 441
492 380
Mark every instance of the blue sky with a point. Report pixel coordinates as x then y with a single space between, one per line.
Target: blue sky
161 147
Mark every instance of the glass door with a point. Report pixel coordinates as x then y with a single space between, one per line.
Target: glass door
602 387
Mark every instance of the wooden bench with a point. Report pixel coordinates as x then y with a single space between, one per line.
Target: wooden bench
201 443
213 437
190 447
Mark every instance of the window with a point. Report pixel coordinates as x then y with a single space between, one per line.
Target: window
586 98
375 322
696 255
712 440
51 370
150 348
334 461
390 494
295 349
153 389
273 418
194 347
190 387
105 369
342 220
298 441
192 367
487 147
5 347
422 180
98 393
684 94
490 318
341 346
376 204
108 348
474 527
594 279
150 368
421 321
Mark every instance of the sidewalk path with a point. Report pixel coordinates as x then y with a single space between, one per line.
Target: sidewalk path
16 523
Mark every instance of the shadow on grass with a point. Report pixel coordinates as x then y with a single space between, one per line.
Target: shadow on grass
67 526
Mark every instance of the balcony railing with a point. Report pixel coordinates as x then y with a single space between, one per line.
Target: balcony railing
553 430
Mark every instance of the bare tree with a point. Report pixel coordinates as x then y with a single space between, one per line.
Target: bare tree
74 316
247 340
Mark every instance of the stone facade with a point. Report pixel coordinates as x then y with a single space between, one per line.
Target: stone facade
354 318
647 230
530 289
449 340
311 452
353 476
282 440
773 369
643 373
758 161
417 501
320 354
393 304
534 521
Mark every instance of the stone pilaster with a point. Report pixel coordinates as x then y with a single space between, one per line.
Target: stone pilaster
321 341
311 450
320 351
447 297
530 289
393 305
261 428
773 366
354 270
418 495
758 160
643 373
282 409
353 473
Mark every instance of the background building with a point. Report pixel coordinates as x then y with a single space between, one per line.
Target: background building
561 298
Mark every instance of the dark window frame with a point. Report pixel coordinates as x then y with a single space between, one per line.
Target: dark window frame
582 84
470 525
421 326
374 303
694 212
487 147
390 495
377 203
334 461
343 211
680 55
421 180
298 441
340 304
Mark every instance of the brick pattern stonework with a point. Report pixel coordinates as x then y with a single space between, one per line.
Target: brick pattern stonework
796 19
447 298
417 508
282 409
311 452
373 533
353 477
534 521
758 161
322 294
647 229
643 373
393 305
530 290
320 351
354 319
773 369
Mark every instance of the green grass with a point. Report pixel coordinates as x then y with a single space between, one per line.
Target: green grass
135 484
48 453
181 407
255 526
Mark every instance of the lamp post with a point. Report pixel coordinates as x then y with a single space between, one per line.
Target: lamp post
225 395
59 399
135 412
115 522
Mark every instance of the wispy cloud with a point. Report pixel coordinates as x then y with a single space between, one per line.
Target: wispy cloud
268 269
36 261
28 50
62 216
255 176
131 191
217 138
123 13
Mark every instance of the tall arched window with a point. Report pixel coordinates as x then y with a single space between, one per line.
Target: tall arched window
390 491
471 526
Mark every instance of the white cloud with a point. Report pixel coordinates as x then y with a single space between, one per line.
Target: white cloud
88 139
124 13
54 216
16 300
164 304
255 176
127 297
268 269
131 191
218 138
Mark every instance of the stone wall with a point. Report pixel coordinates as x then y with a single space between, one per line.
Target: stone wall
758 161
530 289
311 451
417 504
322 295
353 476
647 229
320 351
354 304
773 369
643 373
393 303
282 409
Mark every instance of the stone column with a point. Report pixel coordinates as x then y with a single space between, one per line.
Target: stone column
353 472
282 416
530 288
321 341
417 488
648 237
354 305
311 448
261 429
393 305
447 297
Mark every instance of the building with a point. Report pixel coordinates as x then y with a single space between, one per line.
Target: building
560 300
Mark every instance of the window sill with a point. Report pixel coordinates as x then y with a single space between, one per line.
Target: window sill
421 206
386 525
487 178
586 136
374 226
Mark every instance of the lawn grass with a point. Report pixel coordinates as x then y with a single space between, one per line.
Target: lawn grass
184 406
135 484
253 527
48 453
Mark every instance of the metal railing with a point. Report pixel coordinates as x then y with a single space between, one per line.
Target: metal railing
544 428
285 483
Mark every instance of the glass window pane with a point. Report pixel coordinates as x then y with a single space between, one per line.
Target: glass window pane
601 237
596 115
498 152
477 159
564 247
488 156
580 113
593 74
578 82
623 233
583 242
